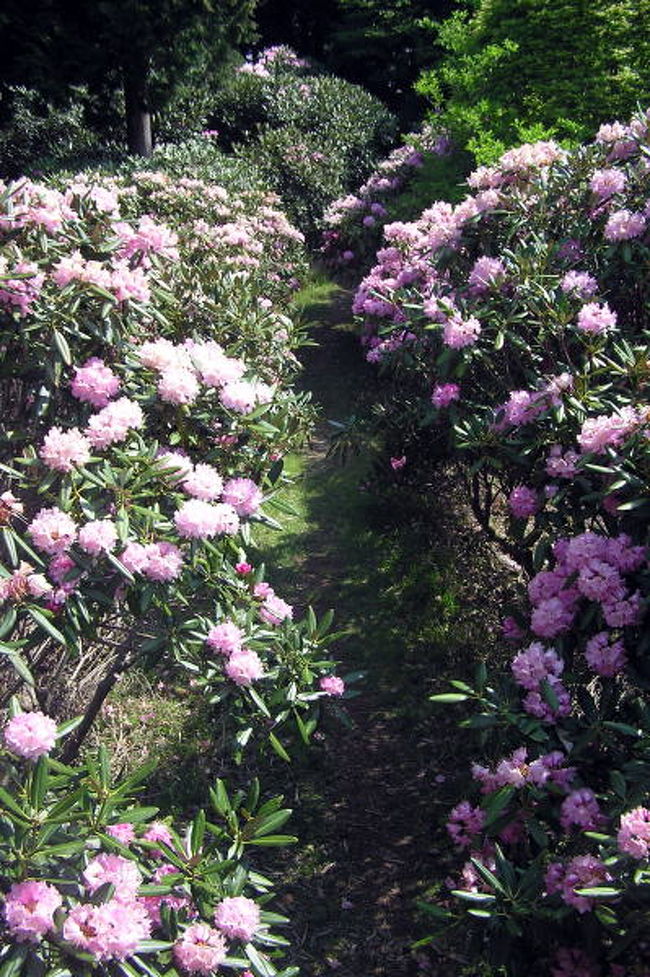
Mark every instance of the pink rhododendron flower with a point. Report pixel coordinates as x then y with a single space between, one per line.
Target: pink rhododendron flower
599 433
465 822
511 630
581 872
623 225
487 273
243 568
123 832
634 833
29 910
243 666
134 557
332 685
274 610
197 519
444 393
605 656
178 385
154 904
164 562
523 502
120 872
30 735
94 383
398 463
201 949
111 931
243 495
175 464
157 831
581 809
161 355
237 917
579 283
458 333
205 483
62 450
536 704
607 182
535 664
113 422
98 536
596 319
225 638
561 465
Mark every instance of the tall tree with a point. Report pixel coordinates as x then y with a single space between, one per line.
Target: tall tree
141 46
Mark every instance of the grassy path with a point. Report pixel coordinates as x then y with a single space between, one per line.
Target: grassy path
369 797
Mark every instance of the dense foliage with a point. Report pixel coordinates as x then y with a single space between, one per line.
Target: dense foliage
312 135
518 71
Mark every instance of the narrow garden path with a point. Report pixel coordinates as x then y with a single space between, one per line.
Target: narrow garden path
370 792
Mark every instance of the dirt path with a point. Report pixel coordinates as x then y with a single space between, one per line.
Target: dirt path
368 798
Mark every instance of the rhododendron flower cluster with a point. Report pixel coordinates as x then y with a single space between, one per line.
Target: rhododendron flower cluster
580 872
30 735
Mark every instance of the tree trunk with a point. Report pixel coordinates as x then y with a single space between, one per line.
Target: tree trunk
138 116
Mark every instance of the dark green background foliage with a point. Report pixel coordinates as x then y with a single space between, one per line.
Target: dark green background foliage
516 70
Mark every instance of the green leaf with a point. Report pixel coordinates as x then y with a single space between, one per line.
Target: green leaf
40 782
473 896
263 966
44 623
197 832
62 346
274 840
449 697
599 892
278 747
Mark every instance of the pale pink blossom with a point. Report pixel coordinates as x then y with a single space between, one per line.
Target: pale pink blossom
112 424
197 519
623 225
110 931
29 910
205 483
332 685
244 666
94 383
120 872
30 735
52 531
634 833
63 450
444 394
98 536
164 562
201 949
464 823
237 917
596 318
178 385
243 495
580 808
458 332
225 638
274 610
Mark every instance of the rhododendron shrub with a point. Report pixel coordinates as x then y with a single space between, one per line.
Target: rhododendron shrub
554 830
140 527
511 331
90 264
93 881
527 297
353 223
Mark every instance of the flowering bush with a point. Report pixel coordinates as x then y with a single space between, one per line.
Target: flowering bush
143 469
353 223
313 136
91 880
512 330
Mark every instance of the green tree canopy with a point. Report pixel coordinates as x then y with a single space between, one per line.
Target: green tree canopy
520 69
